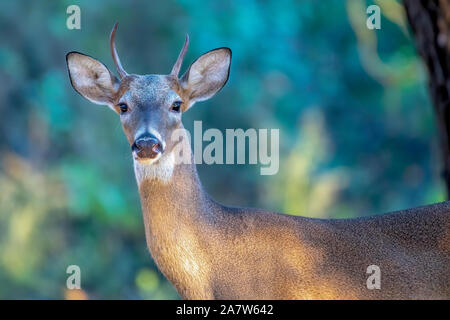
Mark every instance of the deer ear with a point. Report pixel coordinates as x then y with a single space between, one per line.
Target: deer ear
92 79
207 75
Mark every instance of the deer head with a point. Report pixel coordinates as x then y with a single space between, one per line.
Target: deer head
149 106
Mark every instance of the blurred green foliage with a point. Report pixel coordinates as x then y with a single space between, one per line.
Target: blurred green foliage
357 134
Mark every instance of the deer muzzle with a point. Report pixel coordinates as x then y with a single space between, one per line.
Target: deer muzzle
147 147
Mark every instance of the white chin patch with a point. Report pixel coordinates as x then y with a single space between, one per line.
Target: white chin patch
160 168
146 161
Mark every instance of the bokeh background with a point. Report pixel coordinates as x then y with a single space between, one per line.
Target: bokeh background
357 130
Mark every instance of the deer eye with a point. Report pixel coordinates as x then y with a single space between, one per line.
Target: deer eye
123 107
176 106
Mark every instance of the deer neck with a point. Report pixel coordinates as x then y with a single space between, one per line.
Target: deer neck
175 210
176 194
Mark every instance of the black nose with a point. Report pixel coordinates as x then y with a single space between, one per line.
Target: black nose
147 147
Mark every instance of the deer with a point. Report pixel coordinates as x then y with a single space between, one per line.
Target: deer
208 250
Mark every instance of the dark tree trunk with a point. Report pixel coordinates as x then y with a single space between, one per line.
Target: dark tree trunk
430 22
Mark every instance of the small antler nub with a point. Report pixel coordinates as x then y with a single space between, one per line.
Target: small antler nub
120 70
177 66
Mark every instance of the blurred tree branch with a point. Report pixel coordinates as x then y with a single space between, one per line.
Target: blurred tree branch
430 22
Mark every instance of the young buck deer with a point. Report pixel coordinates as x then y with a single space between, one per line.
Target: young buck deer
211 251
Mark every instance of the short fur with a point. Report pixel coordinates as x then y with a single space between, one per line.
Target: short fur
211 251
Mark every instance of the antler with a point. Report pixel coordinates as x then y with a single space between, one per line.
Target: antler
177 66
120 70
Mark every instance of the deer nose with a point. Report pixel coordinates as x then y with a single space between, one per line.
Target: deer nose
147 147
